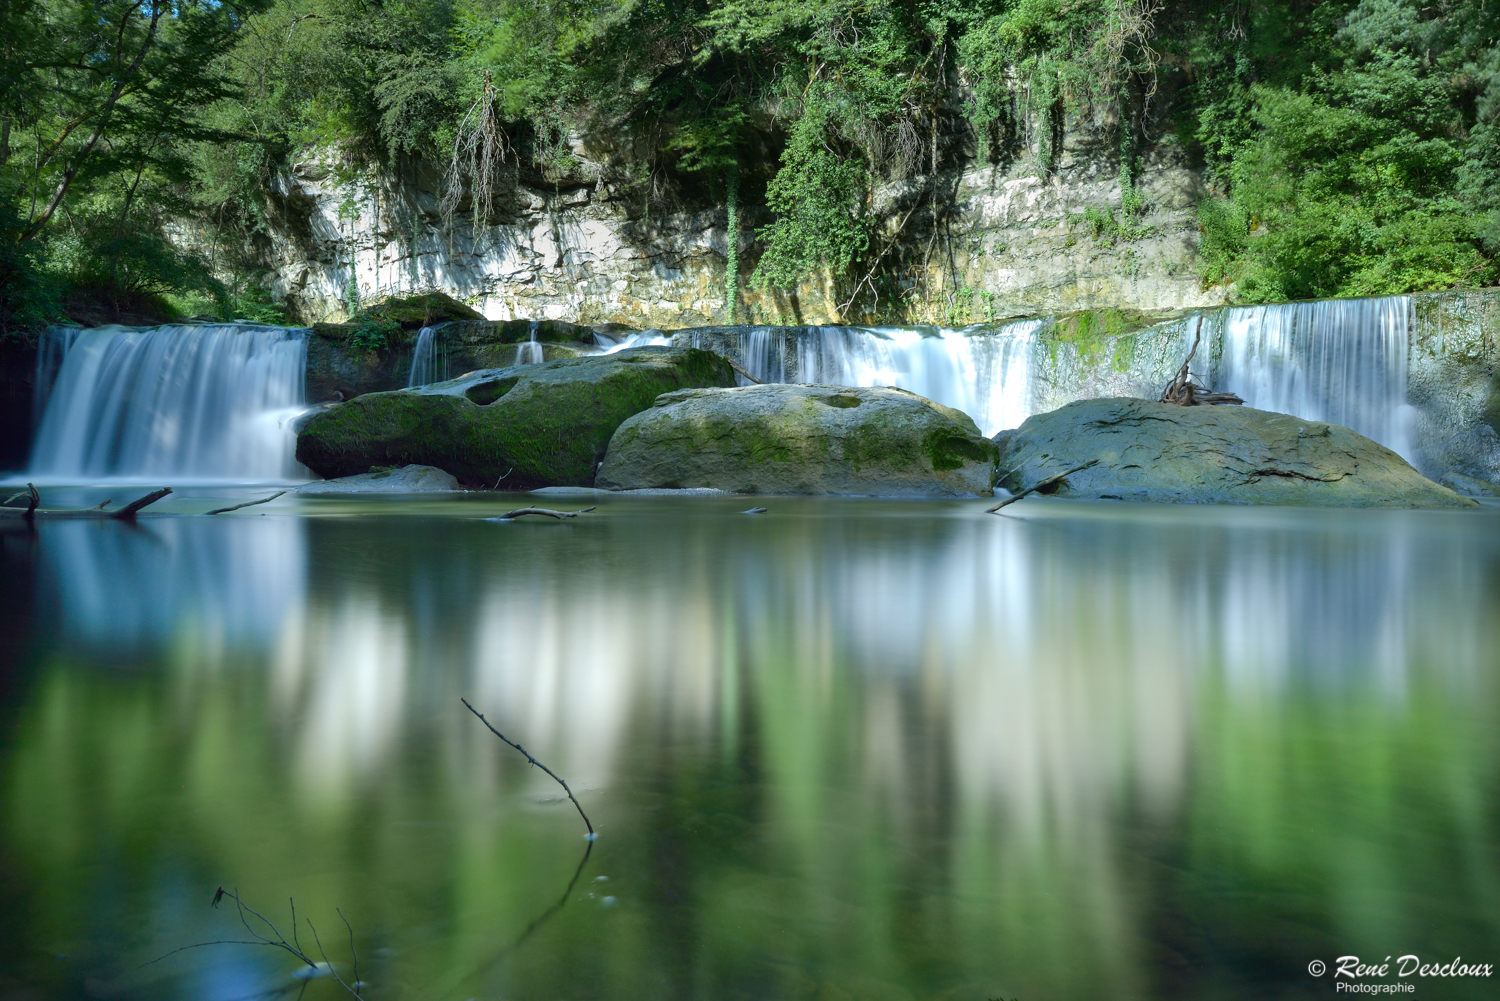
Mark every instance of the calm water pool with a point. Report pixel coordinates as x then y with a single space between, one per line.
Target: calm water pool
846 749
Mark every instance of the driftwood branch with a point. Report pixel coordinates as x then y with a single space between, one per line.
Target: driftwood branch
129 510
535 762
545 512
1042 484
33 510
1183 392
735 365
236 507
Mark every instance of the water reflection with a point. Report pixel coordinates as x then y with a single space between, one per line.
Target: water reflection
858 747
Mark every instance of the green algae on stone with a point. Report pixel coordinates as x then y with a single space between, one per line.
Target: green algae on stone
793 439
1147 451
530 425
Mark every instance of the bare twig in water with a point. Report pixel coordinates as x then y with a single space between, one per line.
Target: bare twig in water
277 942
503 476
534 761
1041 484
357 982
329 963
236 507
1183 392
547 512
129 510
734 365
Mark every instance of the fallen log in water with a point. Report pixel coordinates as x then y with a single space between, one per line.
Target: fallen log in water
236 507
1041 485
35 510
546 512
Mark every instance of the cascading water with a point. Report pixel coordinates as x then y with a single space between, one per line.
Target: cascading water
641 339
985 372
1342 361
429 361
175 402
529 352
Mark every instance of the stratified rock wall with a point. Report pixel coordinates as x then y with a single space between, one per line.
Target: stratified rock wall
589 250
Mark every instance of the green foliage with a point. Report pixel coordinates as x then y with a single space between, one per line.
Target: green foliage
1363 172
373 334
818 196
1351 148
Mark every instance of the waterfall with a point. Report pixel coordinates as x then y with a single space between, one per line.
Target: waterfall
429 363
173 402
983 371
1342 361
1339 361
641 339
529 352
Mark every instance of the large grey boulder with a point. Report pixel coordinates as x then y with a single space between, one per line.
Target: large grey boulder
526 426
784 439
1149 451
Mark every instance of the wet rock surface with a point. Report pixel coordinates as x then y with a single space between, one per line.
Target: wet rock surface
405 480
794 439
1149 451
523 426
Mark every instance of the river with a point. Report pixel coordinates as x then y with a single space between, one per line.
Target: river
844 749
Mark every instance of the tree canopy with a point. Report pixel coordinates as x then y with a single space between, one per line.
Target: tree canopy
1351 147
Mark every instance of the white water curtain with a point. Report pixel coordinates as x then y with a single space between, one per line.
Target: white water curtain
1342 361
185 402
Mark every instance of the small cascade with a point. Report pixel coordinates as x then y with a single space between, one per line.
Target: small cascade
983 371
640 339
1342 361
429 360
178 402
529 352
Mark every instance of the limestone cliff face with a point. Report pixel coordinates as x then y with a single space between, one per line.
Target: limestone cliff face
587 249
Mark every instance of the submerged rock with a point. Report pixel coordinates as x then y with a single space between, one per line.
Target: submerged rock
787 439
1209 455
406 480
525 426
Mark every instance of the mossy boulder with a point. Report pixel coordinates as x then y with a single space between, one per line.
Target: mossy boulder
784 439
1146 451
533 425
428 309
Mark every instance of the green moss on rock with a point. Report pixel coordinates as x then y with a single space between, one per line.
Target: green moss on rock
791 439
549 427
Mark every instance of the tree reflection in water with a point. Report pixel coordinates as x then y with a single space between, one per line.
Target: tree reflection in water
876 748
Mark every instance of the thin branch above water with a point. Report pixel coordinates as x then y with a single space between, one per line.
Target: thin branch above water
534 761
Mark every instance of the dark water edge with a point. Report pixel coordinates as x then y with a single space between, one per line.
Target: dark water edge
17 402
846 749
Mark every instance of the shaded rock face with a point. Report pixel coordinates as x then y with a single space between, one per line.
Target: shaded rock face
783 439
406 480
1209 455
525 426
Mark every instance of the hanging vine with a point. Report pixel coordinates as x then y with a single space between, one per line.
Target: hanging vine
481 148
